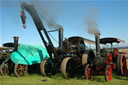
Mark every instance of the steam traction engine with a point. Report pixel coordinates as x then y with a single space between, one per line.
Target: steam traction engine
76 54
5 51
105 60
7 66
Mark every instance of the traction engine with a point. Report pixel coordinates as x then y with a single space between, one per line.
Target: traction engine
106 60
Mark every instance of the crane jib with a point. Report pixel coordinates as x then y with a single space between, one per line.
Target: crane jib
32 11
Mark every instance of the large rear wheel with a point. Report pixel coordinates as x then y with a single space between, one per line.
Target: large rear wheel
121 65
84 59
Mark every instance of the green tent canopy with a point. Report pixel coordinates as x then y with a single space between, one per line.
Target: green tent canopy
29 54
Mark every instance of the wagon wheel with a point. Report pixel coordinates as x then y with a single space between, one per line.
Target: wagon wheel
20 70
84 59
108 73
4 69
46 67
66 67
88 74
123 65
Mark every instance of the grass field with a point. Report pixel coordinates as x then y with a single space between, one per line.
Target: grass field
36 79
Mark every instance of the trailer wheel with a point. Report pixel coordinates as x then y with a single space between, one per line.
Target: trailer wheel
4 69
46 68
108 73
20 70
66 68
88 74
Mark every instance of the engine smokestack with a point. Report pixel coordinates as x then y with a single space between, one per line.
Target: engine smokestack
15 43
97 39
60 38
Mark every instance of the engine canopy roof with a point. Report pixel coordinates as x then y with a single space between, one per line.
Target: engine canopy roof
110 40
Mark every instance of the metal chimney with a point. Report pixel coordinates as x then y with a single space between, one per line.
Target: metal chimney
60 37
97 38
15 43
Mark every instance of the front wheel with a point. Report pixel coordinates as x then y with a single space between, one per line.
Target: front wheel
108 73
88 74
4 69
66 67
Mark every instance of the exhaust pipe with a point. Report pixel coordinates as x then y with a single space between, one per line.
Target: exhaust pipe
97 39
15 43
60 38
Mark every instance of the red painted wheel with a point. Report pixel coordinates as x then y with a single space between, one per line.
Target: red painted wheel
88 74
123 65
108 73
